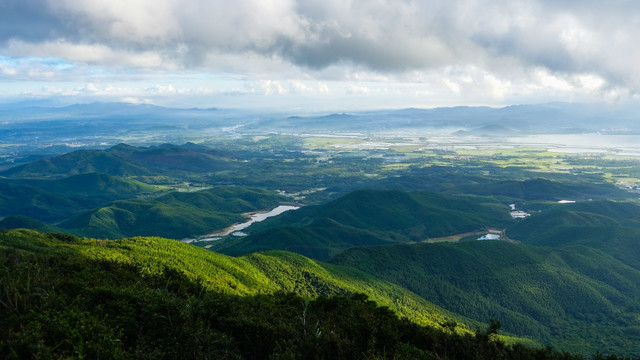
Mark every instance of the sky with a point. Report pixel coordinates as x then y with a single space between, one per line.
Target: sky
319 54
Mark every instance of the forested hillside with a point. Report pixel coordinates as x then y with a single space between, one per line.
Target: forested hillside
174 215
368 217
125 160
610 226
159 299
578 298
59 199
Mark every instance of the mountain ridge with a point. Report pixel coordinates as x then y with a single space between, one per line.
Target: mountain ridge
369 217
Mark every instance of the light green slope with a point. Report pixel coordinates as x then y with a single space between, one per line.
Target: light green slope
259 273
262 273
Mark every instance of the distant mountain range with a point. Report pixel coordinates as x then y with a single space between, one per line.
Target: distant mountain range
536 119
557 118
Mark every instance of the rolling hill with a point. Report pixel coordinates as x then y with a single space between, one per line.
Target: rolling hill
187 157
518 185
578 298
368 217
545 189
60 199
25 222
175 215
77 162
125 160
156 298
610 226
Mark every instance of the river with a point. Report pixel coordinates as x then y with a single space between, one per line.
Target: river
257 217
236 230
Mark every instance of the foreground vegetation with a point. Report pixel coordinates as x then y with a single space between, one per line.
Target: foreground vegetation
577 298
60 299
248 275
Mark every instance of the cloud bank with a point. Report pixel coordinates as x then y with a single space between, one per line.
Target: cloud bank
515 45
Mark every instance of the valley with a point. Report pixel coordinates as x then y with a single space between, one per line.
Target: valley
390 204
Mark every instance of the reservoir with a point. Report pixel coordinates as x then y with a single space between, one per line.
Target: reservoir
236 230
257 217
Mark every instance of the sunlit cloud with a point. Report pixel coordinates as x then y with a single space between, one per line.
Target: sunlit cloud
472 51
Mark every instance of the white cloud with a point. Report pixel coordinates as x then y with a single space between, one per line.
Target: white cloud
7 70
591 82
323 88
301 88
271 87
96 53
453 86
472 50
358 90
135 100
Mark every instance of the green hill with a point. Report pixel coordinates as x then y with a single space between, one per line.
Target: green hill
175 215
35 203
513 183
24 222
544 189
59 199
610 226
152 298
540 228
577 298
188 157
125 160
368 217
77 162
98 185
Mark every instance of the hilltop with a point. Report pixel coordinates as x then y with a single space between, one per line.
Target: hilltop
125 160
370 217
60 199
174 215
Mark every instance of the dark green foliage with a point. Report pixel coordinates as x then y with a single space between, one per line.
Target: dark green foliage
610 226
34 203
77 162
503 182
57 302
188 157
23 222
368 217
55 200
98 185
149 218
125 160
581 296
544 189
251 274
576 298
175 215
